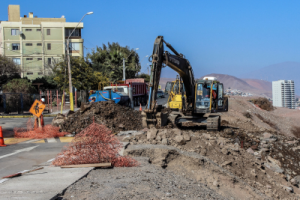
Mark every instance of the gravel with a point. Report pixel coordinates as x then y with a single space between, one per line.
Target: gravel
144 182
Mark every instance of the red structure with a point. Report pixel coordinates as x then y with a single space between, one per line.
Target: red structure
139 90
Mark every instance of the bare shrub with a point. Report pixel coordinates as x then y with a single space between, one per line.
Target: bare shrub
263 103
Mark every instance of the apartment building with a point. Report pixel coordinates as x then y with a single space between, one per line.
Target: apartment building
283 92
36 44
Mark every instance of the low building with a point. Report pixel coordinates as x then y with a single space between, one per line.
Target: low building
283 93
36 44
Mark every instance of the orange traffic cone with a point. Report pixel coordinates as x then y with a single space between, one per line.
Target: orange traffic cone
1 138
140 107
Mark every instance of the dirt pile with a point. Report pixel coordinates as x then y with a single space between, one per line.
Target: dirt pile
267 162
114 116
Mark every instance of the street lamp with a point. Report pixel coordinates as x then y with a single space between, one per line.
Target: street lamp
124 77
69 64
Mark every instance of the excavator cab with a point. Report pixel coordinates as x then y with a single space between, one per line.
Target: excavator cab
210 97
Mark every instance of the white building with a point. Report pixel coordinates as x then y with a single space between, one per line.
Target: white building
283 92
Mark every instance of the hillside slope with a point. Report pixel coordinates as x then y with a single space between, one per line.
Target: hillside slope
280 71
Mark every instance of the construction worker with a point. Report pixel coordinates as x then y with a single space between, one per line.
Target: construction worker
93 100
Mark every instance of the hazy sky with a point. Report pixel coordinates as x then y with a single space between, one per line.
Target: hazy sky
231 37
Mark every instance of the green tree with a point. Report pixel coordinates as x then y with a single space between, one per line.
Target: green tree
109 61
144 76
99 81
81 71
19 86
48 82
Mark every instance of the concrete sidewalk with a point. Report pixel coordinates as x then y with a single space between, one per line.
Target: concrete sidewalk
47 183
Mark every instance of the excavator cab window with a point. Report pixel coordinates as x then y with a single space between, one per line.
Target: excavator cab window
222 100
202 96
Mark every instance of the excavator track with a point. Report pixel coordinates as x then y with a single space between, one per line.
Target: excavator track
213 123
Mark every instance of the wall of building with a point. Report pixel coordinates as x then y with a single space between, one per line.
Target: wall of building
283 93
1 39
14 13
277 94
36 45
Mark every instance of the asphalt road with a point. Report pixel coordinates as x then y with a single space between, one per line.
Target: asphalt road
23 156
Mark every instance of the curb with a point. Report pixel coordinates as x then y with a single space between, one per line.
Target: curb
27 116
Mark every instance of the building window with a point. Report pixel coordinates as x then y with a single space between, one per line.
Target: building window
48 32
28 29
38 29
29 58
15 46
15 32
39 59
17 61
48 46
76 33
74 46
49 61
40 73
28 44
39 44
29 73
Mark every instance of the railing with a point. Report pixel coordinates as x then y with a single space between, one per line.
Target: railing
20 103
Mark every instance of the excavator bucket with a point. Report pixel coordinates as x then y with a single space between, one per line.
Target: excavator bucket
155 119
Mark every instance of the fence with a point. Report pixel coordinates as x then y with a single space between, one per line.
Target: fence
19 103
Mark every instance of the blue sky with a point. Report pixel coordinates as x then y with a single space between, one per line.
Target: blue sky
217 36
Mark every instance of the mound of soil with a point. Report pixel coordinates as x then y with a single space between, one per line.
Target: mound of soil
114 116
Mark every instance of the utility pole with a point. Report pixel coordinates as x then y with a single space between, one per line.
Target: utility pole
124 78
70 77
69 64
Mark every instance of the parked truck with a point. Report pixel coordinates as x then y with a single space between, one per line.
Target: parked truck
131 91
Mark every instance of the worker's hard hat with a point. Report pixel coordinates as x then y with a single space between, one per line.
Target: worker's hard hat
42 99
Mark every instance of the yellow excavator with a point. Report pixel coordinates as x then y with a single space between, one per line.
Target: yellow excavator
175 95
202 99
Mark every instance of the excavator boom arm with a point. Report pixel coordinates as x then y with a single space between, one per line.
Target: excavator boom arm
175 62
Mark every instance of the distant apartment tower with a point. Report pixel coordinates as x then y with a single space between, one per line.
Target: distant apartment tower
283 92
36 44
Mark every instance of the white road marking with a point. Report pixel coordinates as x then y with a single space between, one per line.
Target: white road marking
51 160
32 141
18 151
51 140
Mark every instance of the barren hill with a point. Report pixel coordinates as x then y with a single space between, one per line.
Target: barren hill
280 71
257 87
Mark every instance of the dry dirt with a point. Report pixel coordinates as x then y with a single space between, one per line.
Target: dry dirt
144 182
114 116
254 157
